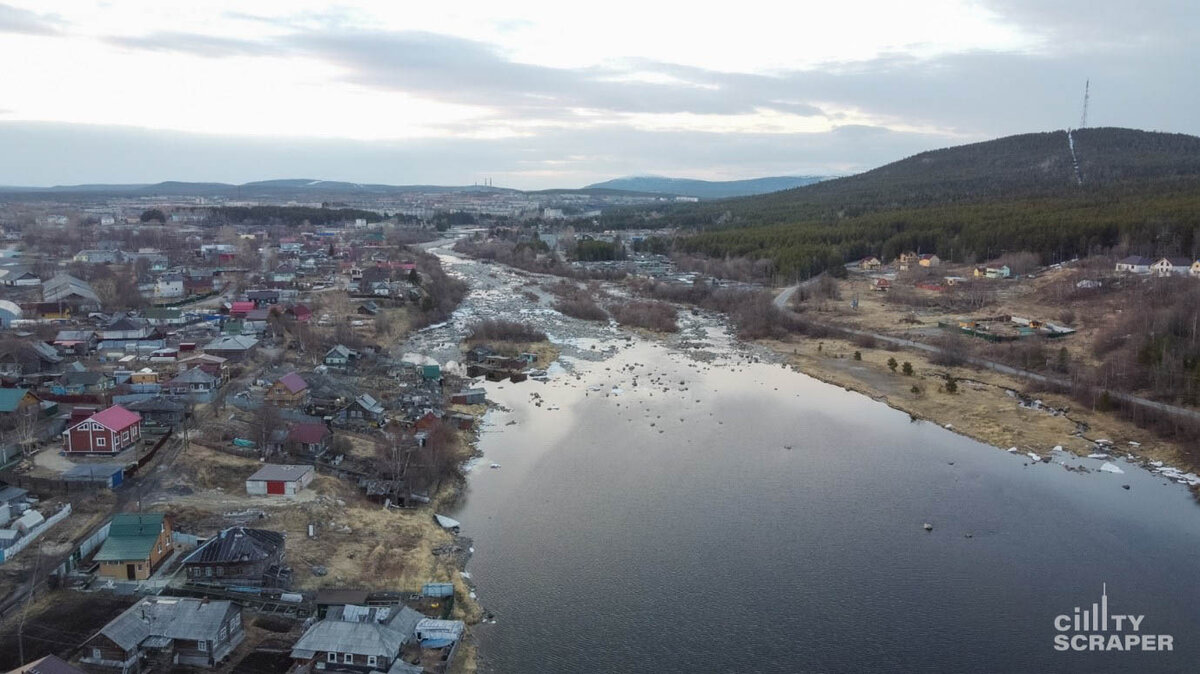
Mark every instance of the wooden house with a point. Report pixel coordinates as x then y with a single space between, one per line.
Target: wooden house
240 556
137 544
108 432
160 633
290 389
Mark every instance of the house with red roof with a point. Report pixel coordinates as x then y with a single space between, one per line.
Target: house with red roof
240 309
106 432
290 389
309 438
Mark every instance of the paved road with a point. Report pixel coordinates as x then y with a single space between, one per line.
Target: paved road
781 299
784 296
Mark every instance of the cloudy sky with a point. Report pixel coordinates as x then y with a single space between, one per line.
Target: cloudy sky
533 93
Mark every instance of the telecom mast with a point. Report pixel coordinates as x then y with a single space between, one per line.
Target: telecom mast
1083 118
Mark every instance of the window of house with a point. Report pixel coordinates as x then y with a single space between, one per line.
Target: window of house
220 571
236 621
99 442
96 654
208 571
331 656
125 436
349 659
223 634
202 646
371 660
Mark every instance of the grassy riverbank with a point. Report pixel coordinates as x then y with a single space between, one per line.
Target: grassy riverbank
982 407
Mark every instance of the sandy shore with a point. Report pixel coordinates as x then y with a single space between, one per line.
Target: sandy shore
985 406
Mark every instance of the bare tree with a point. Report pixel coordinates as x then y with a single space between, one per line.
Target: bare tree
267 420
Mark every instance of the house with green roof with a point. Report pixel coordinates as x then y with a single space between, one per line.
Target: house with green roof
137 544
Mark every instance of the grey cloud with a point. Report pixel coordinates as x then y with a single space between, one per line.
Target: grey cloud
25 22
464 71
193 43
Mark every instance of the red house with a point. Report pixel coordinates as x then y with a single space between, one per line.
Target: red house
107 432
240 309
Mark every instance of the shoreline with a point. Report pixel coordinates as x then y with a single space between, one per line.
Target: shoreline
987 406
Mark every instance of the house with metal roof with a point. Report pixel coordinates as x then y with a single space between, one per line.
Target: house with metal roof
358 639
232 347
159 632
309 438
16 401
107 432
340 356
195 384
240 556
137 544
66 290
279 479
290 389
364 408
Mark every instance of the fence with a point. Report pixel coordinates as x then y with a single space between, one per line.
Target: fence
83 550
28 538
76 398
44 485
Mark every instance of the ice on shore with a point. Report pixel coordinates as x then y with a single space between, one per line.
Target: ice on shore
1098 456
1111 468
1012 450
1033 456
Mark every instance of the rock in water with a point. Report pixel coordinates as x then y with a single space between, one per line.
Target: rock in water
928 526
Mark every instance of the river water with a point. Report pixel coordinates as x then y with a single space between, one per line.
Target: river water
673 509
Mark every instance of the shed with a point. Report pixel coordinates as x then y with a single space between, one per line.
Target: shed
8 537
279 479
110 475
29 520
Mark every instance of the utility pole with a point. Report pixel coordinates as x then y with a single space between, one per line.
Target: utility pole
37 562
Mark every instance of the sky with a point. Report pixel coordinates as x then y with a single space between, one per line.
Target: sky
545 93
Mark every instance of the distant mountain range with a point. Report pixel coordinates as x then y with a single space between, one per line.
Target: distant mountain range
706 189
293 188
331 190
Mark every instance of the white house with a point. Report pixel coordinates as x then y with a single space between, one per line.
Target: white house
1171 265
1196 268
169 285
1135 264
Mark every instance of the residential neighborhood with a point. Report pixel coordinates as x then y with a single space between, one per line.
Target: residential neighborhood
195 422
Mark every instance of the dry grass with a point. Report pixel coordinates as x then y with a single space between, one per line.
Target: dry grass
981 409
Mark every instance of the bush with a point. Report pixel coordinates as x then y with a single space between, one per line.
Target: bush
907 369
858 355
502 330
892 364
951 385
658 316
583 308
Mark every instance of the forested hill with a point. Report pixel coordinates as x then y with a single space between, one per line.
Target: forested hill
1140 193
706 189
1035 164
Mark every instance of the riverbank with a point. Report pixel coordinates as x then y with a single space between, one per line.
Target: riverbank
987 406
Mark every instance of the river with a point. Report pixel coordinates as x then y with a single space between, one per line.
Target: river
665 508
